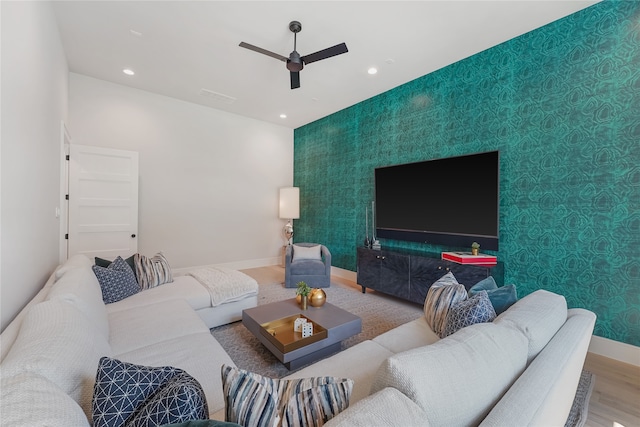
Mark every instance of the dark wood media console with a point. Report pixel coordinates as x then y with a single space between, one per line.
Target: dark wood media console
409 275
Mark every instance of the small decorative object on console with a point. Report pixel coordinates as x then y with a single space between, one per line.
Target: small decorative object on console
475 246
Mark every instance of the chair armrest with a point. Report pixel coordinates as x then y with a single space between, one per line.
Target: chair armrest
326 254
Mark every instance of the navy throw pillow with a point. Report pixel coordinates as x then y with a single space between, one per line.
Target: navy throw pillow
126 394
101 262
116 281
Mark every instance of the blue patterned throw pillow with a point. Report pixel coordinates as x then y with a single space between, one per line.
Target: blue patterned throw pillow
133 395
501 298
477 309
116 281
257 401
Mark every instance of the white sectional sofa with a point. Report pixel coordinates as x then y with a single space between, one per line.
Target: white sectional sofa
56 342
522 369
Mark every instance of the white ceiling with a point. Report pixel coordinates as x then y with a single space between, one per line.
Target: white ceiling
185 46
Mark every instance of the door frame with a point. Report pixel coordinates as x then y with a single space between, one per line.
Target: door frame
62 212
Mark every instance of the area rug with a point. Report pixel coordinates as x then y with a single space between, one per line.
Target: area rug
379 313
580 408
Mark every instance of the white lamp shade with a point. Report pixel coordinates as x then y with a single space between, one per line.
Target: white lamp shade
290 203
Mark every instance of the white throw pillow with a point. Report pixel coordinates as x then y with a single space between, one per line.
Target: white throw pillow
58 342
28 400
303 252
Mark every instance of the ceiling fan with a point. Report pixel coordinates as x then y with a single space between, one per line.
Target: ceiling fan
295 62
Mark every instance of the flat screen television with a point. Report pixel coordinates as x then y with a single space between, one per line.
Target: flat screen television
450 201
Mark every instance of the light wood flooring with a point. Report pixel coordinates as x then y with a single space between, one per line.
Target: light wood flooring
615 399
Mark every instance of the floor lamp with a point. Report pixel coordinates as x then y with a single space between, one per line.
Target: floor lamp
289 210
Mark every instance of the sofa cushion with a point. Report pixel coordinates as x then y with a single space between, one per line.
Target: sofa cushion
416 333
538 316
501 298
457 380
183 287
387 407
198 354
28 399
80 287
443 294
152 271
58 342
308 267
150 324
137 395
349 364
255 400
116 281
306 252
477 309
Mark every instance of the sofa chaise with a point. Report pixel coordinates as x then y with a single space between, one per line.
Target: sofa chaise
522 369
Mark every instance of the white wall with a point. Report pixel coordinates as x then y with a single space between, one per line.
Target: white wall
209 180
33 102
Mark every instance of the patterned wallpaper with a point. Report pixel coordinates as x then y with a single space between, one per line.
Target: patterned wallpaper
562 104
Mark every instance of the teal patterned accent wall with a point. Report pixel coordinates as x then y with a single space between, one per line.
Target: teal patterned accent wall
562 104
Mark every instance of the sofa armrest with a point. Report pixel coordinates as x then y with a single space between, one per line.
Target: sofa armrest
326 255
543 394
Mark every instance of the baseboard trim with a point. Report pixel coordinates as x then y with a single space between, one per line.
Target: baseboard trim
344 274
620 351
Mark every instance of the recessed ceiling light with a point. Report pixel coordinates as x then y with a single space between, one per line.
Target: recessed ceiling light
128 72
135 33
283 116
372 70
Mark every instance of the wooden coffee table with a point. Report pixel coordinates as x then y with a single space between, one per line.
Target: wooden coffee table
339 324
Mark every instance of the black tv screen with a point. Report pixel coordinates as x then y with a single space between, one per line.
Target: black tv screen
450 201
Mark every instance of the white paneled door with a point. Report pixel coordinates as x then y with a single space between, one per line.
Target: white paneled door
103 202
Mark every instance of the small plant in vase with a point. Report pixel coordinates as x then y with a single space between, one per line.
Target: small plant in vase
303 290
475 246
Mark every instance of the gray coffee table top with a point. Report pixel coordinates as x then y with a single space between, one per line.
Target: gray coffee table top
340 324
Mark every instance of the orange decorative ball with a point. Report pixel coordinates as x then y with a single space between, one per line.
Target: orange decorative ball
317 297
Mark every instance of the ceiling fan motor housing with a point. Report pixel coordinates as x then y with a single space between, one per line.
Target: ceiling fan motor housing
295 62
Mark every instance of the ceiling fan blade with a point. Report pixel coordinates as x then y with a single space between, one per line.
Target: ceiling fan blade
325 53
263 51
295 79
